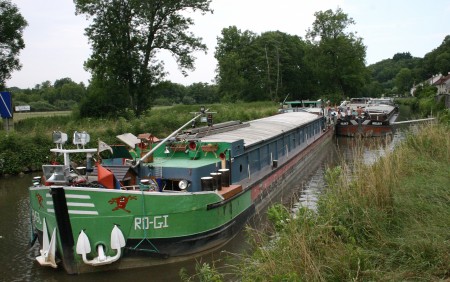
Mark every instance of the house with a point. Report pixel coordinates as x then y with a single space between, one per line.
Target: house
443 84
443 89
438 80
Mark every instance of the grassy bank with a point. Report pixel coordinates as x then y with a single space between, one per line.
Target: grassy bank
27 147
385 222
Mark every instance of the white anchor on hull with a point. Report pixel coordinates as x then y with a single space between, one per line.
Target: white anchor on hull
84 247
47 257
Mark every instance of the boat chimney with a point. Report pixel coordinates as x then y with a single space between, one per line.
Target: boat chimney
207 183
217 180
225 177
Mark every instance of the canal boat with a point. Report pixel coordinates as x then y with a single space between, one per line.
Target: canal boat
152 201
354 103
374 119
310 106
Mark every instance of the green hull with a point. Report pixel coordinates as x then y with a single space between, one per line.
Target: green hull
154 216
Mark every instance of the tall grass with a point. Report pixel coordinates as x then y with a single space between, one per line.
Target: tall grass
383 221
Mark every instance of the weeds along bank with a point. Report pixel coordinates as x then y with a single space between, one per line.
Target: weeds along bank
387 221
26 148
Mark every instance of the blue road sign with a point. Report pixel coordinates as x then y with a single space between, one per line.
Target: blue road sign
5 105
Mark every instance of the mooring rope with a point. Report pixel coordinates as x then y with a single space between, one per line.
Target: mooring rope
155 249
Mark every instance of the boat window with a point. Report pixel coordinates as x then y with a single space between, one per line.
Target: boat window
170 185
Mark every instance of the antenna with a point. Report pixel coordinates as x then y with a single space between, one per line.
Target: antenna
285 98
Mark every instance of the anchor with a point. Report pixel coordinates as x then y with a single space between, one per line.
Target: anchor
84 247
47 257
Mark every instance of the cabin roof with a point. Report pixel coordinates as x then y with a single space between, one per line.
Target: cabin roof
306 102
264 128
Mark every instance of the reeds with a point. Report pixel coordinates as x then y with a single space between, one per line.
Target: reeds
382 221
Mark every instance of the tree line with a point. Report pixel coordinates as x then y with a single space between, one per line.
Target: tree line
127 75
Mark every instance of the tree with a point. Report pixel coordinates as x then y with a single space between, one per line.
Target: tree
232 54
339 56
402 56
12 25
404 80
437 61
203 93
279 60
126 36
167 93
260 67
443 63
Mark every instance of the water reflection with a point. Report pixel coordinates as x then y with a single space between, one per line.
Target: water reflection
370 150
310 191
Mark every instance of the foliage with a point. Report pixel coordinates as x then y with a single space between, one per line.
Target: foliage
168 93
337 56
41 106
426 103
19 153
403 81
102 102
202 93
438 60
386 71
261 67
126 37
402 56
204 273
425 91
12 25
282 57
278 216
232 56
275 65
367 227
406 101
444 117
64 94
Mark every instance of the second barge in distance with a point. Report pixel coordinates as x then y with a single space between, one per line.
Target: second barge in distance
375 119
189 194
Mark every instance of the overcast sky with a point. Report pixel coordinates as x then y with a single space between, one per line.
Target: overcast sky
57 48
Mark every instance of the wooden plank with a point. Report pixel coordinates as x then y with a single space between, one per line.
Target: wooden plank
228 192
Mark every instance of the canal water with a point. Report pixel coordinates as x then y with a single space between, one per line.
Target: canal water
17 259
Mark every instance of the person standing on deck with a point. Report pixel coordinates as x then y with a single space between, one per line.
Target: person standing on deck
359 111
349 113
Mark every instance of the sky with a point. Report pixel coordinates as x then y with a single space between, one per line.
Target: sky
56 46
